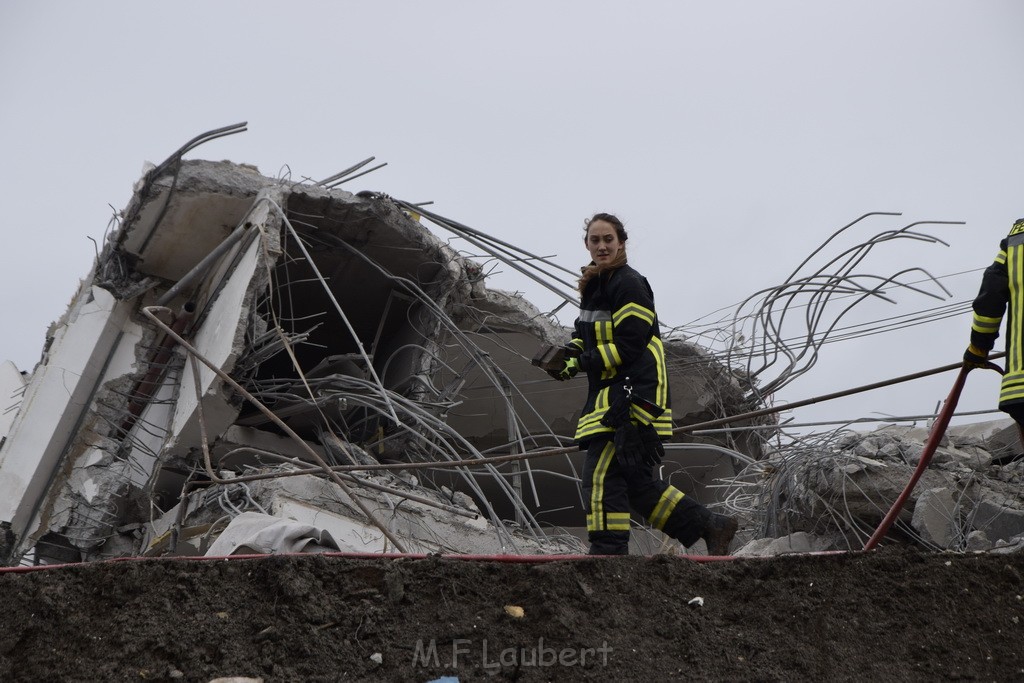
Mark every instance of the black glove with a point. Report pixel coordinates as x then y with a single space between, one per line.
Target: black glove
653 449
975 357
629 447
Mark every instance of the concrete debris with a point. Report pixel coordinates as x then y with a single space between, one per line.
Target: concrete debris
799 542
831 495
1002 519
261 365
935 516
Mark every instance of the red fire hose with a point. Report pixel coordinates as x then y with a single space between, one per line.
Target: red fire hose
934 437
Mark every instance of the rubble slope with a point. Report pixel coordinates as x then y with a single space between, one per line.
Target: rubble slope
893 614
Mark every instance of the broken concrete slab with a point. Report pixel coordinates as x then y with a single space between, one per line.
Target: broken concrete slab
1001 438
798 542
995 516
936 517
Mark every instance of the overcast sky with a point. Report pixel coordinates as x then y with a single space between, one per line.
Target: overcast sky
732 138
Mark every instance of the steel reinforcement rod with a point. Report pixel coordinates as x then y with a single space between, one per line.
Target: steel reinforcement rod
543 453
150 312
824 397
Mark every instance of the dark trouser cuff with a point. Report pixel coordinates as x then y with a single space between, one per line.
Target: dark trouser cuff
609 543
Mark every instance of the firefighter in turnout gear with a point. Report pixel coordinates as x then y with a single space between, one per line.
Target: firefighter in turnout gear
628 412
1002 287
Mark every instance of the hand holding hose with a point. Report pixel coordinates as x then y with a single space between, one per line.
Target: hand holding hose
975 357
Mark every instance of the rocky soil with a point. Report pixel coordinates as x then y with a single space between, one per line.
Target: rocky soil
890 615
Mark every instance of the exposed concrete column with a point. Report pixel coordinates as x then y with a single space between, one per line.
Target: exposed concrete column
57 398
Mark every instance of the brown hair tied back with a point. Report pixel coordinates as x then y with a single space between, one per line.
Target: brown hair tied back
620 260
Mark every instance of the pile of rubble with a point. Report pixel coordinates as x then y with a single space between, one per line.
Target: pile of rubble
832 493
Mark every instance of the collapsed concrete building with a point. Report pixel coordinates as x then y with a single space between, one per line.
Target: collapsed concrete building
261 365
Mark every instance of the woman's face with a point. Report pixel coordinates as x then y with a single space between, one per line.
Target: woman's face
602 242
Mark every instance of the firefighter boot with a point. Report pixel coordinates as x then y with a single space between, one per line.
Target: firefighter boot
718 533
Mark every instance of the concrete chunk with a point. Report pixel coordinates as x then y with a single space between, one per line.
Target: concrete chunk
935 516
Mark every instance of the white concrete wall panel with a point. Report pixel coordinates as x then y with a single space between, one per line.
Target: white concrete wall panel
58 395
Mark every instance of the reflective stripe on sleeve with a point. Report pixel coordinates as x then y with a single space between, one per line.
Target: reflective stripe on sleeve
645 314
985 325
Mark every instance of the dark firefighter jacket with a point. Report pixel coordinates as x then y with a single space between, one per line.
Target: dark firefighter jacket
618 334
1002 285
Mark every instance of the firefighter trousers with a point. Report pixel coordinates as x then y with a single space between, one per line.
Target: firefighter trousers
609 492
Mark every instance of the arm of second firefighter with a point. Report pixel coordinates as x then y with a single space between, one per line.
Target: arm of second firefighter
989 307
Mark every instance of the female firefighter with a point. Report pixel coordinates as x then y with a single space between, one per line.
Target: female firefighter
628 412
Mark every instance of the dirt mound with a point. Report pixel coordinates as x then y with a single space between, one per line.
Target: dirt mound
892 615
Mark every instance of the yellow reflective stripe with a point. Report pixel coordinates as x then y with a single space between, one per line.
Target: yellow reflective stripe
610 358
1012 387
645 314
602 337
658 350
640 414
577 342
583 432
1000 257
1011 396
614 521
663 425
666 504
610 355
597 491
663 421
617 521
590 423
985 324
1015 272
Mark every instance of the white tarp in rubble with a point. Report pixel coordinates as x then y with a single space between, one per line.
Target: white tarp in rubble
256 533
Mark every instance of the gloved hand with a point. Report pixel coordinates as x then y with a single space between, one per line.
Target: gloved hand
975 357
629 447
568 371
654 451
